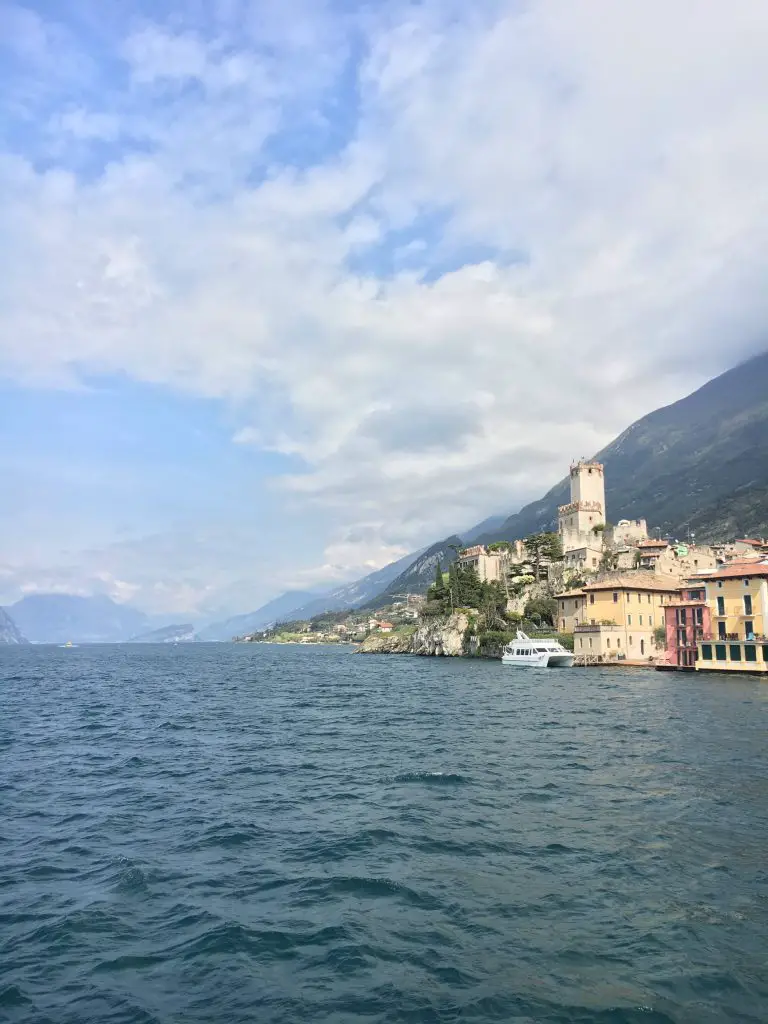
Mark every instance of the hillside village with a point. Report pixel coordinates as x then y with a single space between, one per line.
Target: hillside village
612 592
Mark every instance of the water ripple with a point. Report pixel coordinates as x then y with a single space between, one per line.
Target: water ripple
222 833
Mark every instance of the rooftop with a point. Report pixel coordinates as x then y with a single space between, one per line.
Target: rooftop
640 579
633 581
736 570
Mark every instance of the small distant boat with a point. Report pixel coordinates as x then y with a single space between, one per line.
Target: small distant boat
68 644
531 653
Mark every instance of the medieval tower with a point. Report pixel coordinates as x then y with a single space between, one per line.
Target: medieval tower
576 521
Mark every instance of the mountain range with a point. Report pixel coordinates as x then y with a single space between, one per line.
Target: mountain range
252 622
9 631
417 577
698 466
176 633
56 618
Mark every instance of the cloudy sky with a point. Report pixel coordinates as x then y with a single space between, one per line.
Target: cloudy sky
291 287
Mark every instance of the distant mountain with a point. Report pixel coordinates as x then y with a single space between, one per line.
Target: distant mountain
250 622
56 618
177 633
352 595
418 576
488 526
700 464
9 632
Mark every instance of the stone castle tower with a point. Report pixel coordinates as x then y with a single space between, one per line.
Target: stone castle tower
577 520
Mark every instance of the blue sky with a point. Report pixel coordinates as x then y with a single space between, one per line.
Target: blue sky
290 289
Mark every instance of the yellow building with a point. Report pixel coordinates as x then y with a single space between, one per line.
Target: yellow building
486 563
615 618
737 596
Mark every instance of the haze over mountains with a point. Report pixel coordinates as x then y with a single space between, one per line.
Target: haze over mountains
699 465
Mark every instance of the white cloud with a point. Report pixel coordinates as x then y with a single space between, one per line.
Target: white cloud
608 159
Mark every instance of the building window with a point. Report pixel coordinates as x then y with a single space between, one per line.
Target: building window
765 652
750 652
591 598
721 606
629 620
721 631
615 598
681 638
618 641
746 583
649 598
607 641
735 652
699 617
720 584
720 652
562 624
747 604
630 641
629 597
706 652
581 642
650 620
641 620
749 630
590 643
642 646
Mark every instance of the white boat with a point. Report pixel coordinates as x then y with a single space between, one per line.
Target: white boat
536 653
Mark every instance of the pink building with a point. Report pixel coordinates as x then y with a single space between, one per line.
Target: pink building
687 622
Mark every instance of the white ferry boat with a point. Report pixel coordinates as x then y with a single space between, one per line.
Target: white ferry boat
536 653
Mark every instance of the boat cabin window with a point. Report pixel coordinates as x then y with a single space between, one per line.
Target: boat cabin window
541 650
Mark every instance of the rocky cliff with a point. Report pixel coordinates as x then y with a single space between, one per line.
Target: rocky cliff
441 637
387 643
9 632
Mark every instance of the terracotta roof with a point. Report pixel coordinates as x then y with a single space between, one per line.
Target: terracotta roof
749 540
642 579
634 581
653 544
736 570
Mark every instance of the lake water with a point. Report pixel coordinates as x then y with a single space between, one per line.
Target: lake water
224 833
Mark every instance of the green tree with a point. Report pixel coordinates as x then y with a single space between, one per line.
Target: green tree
542 609
493 605
454 589
439 584
469 592
542 546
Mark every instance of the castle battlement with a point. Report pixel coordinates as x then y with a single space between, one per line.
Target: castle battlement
580 506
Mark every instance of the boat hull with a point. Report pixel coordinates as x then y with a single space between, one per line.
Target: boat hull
540 660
